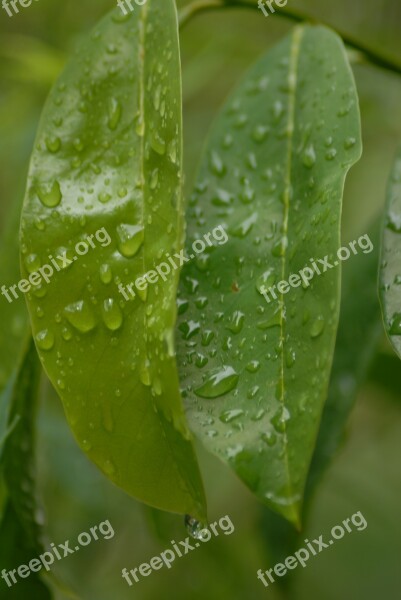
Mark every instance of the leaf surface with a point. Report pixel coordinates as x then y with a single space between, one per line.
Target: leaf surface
256 373
390 265
108 158
20 527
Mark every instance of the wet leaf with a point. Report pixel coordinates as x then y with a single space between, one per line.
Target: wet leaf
108 164
390 262
256 373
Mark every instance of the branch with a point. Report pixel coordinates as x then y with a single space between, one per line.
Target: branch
372 56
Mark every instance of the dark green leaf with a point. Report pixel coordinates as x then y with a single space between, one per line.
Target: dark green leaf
20 530
256 373
109 155
390 267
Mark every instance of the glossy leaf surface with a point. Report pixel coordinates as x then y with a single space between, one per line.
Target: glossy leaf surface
256 373
108 158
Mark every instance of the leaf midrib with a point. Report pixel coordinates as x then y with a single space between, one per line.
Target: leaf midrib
292 80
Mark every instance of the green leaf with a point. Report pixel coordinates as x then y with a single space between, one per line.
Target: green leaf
390 263
358 337
108 163
256 373
20 529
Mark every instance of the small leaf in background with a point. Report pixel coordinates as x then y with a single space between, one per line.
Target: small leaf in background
255 373
108 159
390 264
20 527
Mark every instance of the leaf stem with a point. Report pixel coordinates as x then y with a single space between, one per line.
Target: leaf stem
372 56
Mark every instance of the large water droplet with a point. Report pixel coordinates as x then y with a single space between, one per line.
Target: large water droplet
220 381
309 156
80 316
49 195
130 239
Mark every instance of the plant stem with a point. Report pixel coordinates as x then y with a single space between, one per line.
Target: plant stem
372 56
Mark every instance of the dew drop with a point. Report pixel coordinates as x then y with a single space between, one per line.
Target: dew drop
194 527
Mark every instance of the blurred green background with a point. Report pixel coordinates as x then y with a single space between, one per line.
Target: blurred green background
217 47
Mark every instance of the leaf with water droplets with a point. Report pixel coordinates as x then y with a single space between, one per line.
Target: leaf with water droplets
390 263
277 193
112 181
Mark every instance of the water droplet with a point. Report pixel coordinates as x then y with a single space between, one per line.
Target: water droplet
317 327
349 143
259 134
80 316
394 222
130 239
154 179
207 337
236 322
269 438
50 196
253 366
106 274
45 339
112 314
265 281
195 528
53 144
331 154
220 381
280 418
216 164
104 197
158 143
309 156
229 415
32 263
395 328
189 329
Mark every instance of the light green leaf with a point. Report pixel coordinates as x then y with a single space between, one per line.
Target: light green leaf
256 373
390 264
109 155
